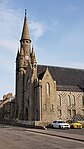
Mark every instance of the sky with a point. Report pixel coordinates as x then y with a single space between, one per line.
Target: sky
56 29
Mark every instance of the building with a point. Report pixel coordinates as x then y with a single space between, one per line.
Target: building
7 109
45 93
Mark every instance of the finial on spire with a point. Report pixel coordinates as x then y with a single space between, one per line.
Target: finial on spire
25 12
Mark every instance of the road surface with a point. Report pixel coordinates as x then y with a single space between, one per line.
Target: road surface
21 138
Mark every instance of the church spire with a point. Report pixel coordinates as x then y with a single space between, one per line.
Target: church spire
25 41
25 31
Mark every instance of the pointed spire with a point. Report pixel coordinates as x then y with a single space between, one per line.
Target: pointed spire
33 58
32 53
25 31
32 50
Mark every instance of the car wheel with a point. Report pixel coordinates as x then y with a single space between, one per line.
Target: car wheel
59 126
72 127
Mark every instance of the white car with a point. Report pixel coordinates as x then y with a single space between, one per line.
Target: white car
60 124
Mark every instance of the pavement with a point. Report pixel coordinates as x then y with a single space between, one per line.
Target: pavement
72 136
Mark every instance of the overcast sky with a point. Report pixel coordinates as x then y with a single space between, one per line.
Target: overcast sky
56 30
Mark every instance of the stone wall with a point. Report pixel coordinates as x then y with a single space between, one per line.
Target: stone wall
65 107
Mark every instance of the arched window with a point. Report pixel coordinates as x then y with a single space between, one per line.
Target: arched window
48 88
59 100
73 100
69 101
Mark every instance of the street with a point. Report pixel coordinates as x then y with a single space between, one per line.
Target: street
20 138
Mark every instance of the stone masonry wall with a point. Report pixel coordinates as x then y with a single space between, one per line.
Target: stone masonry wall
65 108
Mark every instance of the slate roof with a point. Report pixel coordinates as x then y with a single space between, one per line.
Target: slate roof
68 79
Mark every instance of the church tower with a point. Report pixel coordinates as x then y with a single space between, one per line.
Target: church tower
25 64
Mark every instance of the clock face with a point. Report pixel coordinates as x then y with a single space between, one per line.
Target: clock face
27 58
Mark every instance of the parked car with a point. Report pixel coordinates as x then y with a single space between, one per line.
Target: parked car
75 125
60 124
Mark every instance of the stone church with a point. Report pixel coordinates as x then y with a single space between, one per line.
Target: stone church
45 93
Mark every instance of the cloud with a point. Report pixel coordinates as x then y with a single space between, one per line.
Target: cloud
37 29
11 26
10 45
9 21
3 3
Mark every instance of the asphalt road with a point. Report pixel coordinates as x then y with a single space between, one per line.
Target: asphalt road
21 138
